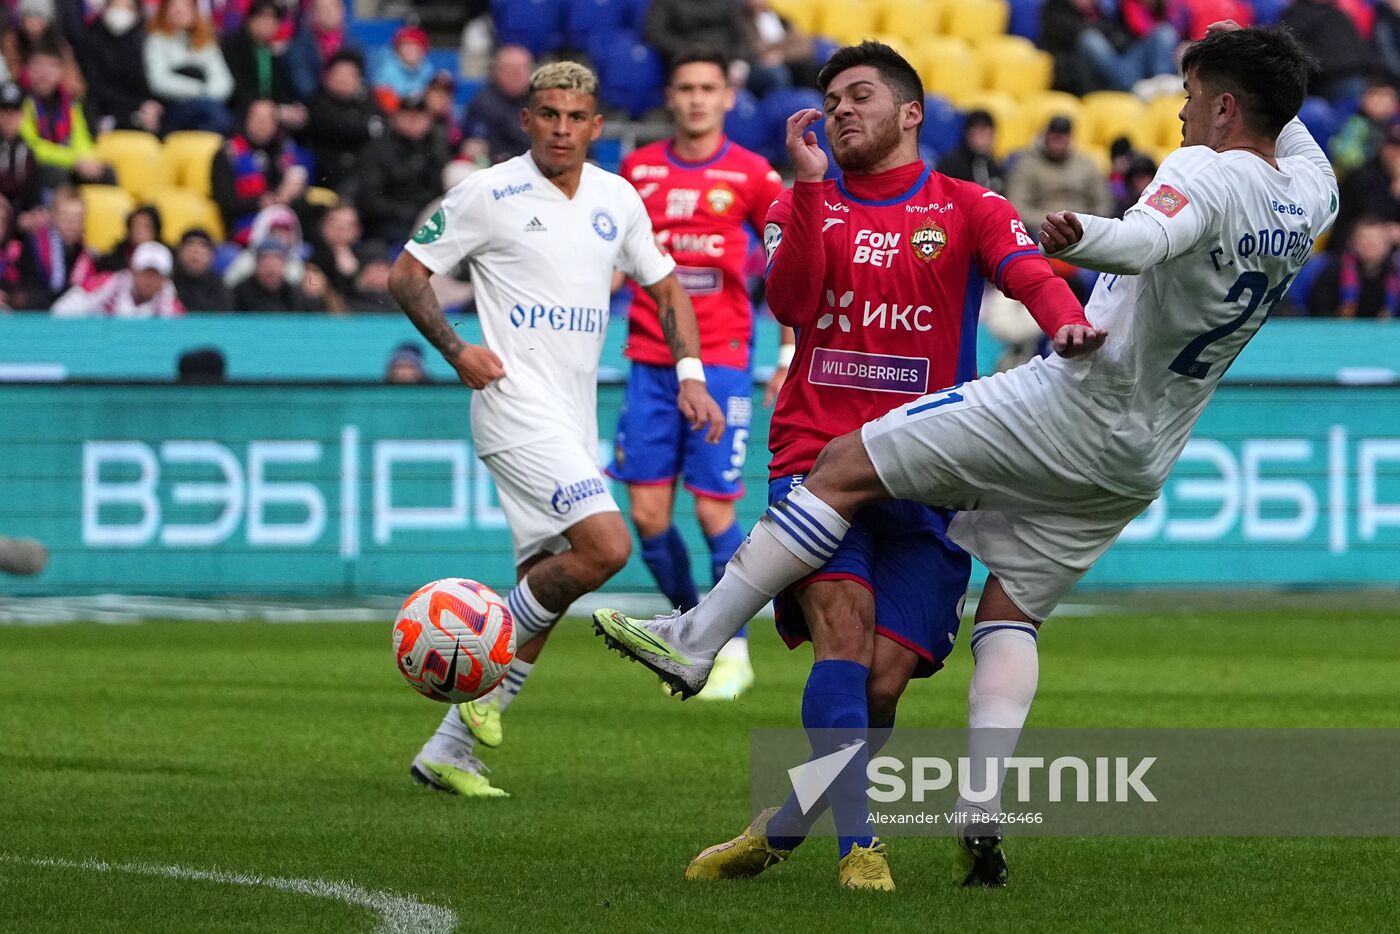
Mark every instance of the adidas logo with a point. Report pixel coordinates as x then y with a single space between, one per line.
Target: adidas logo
535 226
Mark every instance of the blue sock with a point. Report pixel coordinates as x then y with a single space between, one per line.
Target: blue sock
834 714
792 823
722 548
668 560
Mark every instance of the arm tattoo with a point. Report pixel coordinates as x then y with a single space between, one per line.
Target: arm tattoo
415 296
668 327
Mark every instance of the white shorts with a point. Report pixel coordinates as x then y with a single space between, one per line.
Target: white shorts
546 487
1029 515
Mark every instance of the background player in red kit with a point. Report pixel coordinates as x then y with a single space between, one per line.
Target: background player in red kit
881 272
700 190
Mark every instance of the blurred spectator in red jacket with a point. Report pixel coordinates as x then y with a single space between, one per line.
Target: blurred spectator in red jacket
143 291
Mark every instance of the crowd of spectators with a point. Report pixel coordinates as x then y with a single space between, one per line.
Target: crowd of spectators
320 135
332 151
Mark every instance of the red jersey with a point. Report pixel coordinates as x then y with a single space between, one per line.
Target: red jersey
698 210
882 277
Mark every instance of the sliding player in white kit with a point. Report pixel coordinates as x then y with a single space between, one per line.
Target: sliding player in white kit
1048 462
543 232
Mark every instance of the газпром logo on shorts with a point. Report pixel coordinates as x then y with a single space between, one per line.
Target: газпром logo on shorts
565 495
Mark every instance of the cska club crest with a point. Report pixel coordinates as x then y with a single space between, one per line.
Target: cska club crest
720 199
928 240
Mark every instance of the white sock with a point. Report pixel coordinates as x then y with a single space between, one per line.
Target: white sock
530 617
451 739
515 680
1004 679
793 539
736 649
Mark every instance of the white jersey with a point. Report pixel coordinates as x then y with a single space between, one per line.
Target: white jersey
1236 232
542 266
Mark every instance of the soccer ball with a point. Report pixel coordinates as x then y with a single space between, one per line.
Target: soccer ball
453 640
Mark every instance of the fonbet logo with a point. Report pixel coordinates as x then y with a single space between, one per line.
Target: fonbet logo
876 248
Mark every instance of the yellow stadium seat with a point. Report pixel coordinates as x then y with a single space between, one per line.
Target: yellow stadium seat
948 67
1013 132
845 21
1022 75
319 197
977 19
105 209
191 153
1162 114
801 13
1110 114
900 44
180 209
911 20
135 157
1037 110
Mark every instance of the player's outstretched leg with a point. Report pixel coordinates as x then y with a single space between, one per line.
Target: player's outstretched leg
741 858
733 671
794 538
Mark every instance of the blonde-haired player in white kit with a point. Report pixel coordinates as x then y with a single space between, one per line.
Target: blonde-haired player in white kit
1052 459
543 232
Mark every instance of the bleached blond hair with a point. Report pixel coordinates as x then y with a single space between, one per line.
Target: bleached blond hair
564 76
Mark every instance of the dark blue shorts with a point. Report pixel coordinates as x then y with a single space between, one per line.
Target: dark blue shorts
900 552
655 445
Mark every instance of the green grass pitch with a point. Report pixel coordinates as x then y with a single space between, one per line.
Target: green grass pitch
283 750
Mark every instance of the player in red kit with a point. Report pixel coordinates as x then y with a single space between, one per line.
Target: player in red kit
702 192
881 271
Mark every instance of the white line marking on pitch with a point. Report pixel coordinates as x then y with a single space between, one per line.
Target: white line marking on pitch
397 914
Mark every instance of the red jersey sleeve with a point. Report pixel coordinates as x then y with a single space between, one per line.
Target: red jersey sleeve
1009 258
792 237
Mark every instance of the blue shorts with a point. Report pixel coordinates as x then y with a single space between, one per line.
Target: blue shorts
900 552
655 445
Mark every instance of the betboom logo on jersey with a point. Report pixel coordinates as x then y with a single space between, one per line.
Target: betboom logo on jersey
559 318
566 496
506 192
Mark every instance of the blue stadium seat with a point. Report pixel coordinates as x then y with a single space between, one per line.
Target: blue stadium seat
631 76
823 48
536 24
1320 119
584 19
1267 12
745 125
943 125
783 103
467 88
636 13
1025 19
607 152
448 60
1302 283
375 33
